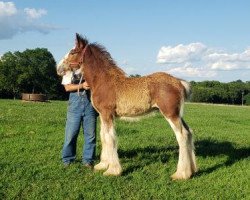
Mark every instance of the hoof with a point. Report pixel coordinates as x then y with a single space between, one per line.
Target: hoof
100 166
111 171
195 169
181 176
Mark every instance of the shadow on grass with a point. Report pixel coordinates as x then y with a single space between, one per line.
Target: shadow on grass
204 148
147 156
213 148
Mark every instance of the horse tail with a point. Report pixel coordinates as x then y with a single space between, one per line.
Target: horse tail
187 89
186 94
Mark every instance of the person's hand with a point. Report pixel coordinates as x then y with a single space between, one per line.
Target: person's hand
85 85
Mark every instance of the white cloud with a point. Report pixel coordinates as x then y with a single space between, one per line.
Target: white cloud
124 63
245 56
180 53
35 14
14 21
130 70
7 9
197 60
189 71
225 61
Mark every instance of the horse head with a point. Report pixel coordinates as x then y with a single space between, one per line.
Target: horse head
74 58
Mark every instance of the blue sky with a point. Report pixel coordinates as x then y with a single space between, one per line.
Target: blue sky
193 40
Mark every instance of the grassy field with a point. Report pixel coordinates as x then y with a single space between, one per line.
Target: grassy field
32 134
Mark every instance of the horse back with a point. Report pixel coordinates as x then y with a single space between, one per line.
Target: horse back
135 96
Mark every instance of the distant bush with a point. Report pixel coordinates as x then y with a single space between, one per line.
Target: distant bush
217 92
247 99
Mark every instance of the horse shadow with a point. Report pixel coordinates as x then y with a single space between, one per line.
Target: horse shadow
203 148
146 155
213 148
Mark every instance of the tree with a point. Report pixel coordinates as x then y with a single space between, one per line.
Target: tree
9 73
31 71
247 99
135 75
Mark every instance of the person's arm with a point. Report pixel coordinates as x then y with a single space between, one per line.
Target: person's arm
74 87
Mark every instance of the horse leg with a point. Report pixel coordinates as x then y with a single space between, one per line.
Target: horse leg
186 164
109 155
114 166
103 165
194 166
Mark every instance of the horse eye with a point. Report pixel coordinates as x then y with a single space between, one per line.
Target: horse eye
74 51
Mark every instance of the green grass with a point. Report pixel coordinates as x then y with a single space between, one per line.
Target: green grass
31 139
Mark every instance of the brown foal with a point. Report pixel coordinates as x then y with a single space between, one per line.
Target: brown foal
113 94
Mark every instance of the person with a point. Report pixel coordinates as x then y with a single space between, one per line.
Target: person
80 113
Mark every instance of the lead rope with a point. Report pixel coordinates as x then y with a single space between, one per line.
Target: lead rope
78 90
84 50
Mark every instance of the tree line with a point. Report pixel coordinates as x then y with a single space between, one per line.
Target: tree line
235 92
34 71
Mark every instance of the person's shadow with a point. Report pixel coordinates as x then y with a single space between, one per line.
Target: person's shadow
204 148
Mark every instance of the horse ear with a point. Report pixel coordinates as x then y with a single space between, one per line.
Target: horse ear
77 40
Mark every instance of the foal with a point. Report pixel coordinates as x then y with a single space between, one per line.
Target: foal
114 94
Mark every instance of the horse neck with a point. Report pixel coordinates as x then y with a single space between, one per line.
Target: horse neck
96 76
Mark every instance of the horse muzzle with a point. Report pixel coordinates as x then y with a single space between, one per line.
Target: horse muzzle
61 69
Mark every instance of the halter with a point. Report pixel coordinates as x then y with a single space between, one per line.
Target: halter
78 64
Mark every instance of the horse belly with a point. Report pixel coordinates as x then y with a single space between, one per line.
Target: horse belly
133 103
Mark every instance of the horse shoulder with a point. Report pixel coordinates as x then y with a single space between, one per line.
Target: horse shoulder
103 97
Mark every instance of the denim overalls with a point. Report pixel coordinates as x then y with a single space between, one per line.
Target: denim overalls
80 112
